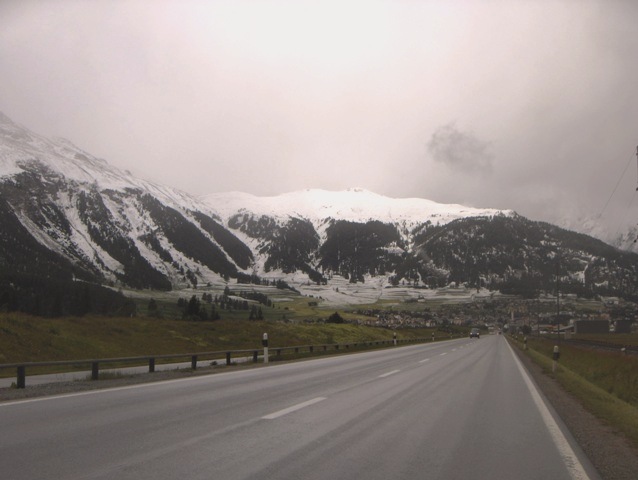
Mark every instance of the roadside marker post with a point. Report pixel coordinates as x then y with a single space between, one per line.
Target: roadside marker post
264 342
556 356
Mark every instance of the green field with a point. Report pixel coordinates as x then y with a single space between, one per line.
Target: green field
30 339
615 339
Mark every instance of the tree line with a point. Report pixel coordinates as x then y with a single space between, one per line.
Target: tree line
208 307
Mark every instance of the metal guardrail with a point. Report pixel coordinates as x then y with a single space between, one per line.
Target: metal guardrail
21 368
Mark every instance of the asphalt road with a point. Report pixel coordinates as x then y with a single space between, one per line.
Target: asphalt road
462 409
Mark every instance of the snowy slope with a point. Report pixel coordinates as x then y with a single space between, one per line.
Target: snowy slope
91 212
20 148
354 205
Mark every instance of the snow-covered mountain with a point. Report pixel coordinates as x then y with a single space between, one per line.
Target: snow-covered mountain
352 205
68 215
24 151
322 209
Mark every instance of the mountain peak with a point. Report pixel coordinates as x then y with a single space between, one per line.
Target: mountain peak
353 204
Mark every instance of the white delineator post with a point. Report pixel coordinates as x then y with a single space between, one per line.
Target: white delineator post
555 357
264 342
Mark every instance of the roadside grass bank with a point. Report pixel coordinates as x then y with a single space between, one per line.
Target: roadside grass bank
32 339
605 383
627 339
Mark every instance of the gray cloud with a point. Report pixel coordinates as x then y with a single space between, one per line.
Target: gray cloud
279 95
461 151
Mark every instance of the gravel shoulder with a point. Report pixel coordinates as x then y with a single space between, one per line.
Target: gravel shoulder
610 453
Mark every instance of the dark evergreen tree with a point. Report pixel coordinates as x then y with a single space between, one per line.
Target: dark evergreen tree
192 309
152 308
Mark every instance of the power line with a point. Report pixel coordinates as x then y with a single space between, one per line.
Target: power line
616 187
624 218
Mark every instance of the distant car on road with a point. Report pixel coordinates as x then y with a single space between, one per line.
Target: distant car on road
475 333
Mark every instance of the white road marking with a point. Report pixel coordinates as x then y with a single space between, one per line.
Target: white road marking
444 353
387 374
107 390
573 465
294 408
425 360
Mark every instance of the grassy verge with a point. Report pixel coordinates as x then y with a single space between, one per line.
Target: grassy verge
32 339
616 339
605 383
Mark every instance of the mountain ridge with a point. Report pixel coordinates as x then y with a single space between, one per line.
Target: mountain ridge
110 228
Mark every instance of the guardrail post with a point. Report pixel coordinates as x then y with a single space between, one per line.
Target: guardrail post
312 349
227 358
151 365
194 362
255 356
95 371
21 381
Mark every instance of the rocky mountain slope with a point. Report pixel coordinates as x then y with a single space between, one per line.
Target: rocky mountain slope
69 218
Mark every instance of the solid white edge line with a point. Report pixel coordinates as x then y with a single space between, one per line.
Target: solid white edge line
294 408
573 465
149 384
97 391
387 374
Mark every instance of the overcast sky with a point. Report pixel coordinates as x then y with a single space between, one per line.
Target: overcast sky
528 105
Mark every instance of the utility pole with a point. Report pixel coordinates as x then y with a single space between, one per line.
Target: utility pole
558 293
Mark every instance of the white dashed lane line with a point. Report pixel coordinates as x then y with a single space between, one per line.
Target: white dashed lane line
294 408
